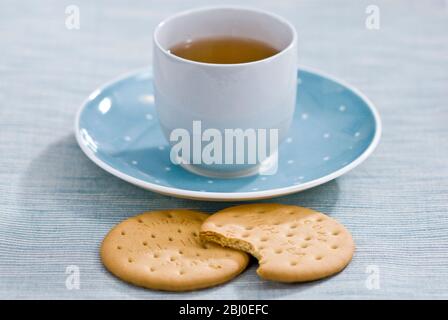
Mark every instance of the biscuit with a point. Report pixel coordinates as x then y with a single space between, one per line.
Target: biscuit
162 250
292 244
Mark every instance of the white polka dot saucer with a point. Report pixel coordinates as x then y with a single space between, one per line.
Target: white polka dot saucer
335 128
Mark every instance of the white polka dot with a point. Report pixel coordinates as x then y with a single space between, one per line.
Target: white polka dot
134 162
167 169
350 147
104 105
342 108
326 158
290 161
299 80
156 181
202 190
161 147
289 140
127 138
300 177
210 181
326 135
297 182
254 189
263 178
149 116
357 134
304 116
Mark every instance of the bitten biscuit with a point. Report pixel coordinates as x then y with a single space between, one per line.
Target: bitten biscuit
292 244
162 250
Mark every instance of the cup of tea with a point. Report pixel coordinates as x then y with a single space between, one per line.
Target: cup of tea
225 88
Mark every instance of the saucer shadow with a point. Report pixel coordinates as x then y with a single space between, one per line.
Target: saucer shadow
72 204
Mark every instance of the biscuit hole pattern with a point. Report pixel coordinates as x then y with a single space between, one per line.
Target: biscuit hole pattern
320 219
123 233
140 220
318 258
198 254
169 215
293 226
153 236
152 269
119 247
307 221
181 272
245 235
145 243
249 228
179 231
278 251
170 239
334 247
293 263
277 223
304 246
181 252
173 259
335 233
195 234
156 255
264 239
130 260
289 235
308 238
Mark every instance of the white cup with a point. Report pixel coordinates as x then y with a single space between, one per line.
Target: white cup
256 95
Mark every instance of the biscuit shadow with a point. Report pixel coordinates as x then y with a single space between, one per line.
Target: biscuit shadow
225 291
264 289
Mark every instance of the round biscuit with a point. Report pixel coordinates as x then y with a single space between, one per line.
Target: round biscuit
291 243
162 250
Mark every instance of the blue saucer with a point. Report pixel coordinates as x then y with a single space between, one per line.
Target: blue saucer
335 128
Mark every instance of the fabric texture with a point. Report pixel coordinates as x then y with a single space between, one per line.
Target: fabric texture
56 205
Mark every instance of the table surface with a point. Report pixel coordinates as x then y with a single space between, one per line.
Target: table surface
56 205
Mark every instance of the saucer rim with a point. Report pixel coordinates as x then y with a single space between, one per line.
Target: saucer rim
231 196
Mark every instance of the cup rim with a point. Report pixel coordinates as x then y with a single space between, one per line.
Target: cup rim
224 65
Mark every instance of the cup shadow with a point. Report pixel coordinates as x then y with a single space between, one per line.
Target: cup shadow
160 159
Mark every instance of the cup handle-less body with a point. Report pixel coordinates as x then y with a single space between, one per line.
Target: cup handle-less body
254 95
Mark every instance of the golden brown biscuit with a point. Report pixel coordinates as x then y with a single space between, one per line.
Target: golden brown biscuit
162 250
292 244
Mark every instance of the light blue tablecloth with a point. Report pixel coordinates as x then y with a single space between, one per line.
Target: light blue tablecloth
56 206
